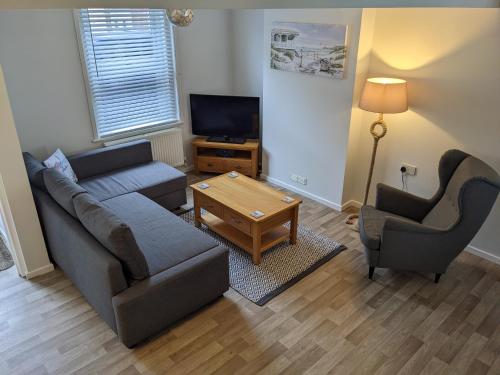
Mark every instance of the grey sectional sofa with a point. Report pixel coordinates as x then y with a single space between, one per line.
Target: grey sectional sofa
139 265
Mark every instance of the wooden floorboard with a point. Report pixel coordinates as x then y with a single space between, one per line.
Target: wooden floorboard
334 321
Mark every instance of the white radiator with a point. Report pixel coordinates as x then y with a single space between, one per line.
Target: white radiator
167 145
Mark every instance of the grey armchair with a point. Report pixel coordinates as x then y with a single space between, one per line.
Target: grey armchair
406 232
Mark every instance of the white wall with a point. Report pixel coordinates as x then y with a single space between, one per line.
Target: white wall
39 52
306 118
451 59
243 4
204 62
247 41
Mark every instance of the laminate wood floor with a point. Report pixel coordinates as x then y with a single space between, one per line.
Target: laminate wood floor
333 321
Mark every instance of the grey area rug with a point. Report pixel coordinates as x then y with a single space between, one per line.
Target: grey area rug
5 257
281 266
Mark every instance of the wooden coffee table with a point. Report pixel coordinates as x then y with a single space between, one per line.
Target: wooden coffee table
228 203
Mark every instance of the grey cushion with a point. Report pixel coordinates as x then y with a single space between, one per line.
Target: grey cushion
35 169
112 233
164 239
106 159
371 224
62 189
152 179
447 211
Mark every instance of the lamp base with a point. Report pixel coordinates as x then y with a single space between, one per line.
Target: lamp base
353 221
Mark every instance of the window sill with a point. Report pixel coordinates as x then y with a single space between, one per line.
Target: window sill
138 133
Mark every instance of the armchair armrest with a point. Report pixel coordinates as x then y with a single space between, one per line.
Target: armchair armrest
417 247
397 225
401 203
107 159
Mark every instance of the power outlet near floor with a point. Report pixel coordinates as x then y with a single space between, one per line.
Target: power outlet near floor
299 179
409 169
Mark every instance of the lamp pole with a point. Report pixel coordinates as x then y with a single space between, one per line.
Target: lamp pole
376 137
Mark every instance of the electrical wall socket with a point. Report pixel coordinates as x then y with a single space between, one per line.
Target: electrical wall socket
411 170
300 179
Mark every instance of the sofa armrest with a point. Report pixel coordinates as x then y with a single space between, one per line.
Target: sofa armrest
401 203
151 305
92 269
107 159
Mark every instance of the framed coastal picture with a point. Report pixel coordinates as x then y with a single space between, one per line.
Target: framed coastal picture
310 48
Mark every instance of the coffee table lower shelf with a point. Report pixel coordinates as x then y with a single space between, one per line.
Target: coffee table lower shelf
243 240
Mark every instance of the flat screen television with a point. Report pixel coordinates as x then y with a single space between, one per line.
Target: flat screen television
225 118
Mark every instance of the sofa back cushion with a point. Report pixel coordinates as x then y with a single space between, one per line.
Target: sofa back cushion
112 233
62 189
110 158
35 169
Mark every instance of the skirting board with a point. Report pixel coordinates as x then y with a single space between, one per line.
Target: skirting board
314 197
39 271
351 203
483 254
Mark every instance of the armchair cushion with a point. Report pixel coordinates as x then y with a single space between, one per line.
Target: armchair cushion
371 225
401 203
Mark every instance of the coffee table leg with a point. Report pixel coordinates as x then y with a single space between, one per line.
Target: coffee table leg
294 222
197 210
256 243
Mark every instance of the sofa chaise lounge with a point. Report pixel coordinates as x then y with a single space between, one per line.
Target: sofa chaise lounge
139 265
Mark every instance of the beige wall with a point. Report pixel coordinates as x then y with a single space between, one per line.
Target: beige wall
451 59
18 195
357 157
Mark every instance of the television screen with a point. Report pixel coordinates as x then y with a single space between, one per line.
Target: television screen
231 116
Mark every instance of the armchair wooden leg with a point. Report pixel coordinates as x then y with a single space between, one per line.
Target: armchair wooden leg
370 272
436 278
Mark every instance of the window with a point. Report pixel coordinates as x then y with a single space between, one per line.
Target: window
130 70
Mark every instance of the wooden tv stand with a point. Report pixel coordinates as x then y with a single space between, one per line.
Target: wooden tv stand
245 160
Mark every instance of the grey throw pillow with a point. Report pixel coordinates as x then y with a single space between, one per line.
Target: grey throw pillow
112 233
62 189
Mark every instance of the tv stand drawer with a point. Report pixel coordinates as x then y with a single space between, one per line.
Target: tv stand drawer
207 164
241 166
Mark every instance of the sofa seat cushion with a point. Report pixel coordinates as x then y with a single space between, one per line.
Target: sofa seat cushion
371 225
164 239
152 179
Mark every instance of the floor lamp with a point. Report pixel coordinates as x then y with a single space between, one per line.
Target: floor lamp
381 95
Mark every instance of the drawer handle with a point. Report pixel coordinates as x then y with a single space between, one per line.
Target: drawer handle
237 221
238 167
210 165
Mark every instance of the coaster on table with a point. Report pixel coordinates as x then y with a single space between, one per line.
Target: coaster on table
256 214
233 174
287 199
203 186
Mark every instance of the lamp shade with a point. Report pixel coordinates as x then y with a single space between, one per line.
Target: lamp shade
384 95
